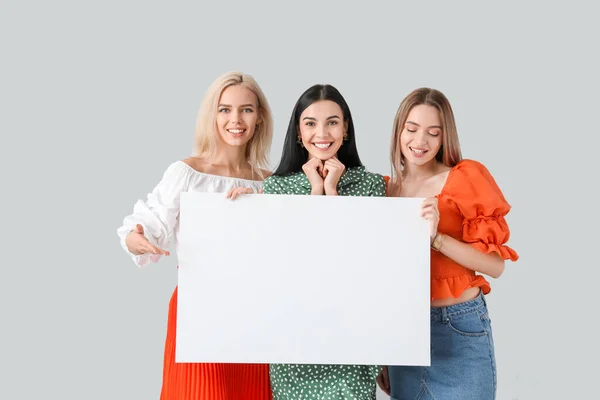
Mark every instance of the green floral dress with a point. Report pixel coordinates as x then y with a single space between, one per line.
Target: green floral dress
325 382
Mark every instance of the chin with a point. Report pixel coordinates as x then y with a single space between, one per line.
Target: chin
236 141
419 161
323 157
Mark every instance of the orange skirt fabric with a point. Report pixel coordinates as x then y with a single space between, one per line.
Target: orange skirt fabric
206 381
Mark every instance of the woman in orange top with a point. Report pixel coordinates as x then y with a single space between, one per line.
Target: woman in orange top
233 136
465 209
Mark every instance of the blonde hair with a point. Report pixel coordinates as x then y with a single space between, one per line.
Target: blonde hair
449 153
205 135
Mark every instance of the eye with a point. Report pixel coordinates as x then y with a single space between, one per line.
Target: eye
224 110
248 110
332 122
434 134
310 123
411 130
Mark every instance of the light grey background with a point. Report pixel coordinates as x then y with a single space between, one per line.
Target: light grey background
98 98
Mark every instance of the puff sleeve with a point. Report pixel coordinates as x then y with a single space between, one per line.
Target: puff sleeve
158 213
379 186
474 193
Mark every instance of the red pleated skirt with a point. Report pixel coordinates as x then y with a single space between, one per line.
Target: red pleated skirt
209 381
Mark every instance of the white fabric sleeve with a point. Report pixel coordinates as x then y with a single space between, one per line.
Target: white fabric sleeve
158 214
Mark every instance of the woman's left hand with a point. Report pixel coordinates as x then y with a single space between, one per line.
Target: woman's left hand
430 211
333 169
233 193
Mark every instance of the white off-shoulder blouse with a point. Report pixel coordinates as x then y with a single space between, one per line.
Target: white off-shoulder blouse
159 214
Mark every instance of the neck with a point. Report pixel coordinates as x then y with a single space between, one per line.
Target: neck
231 157
420 172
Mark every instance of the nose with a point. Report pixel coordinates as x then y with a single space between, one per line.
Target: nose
235 116
322 130
420 137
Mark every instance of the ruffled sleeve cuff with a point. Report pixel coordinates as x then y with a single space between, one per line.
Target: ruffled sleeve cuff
475 194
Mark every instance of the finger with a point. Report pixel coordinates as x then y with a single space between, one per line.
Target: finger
156 250
426 209
336 161
382 385
431 217
386 379
430 201
236 193
427 203
139 229
150 249
261 191
229 193
430 208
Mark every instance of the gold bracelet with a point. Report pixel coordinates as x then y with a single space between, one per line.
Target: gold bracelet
436 243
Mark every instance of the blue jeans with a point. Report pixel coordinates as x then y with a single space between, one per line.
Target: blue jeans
463 364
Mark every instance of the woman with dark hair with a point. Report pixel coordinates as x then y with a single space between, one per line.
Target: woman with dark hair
320 158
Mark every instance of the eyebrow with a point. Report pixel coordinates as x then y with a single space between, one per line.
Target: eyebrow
314 119
243 105
432 126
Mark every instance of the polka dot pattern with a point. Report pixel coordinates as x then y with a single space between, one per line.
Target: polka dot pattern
356 181
325 382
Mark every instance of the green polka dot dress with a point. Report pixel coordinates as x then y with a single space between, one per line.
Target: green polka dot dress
354 182
325 382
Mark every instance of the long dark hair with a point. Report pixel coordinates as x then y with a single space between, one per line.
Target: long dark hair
294 156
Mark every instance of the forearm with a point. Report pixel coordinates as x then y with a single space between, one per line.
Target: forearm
330 189
466 255
317 190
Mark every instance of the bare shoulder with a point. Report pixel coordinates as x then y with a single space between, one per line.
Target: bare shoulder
195 163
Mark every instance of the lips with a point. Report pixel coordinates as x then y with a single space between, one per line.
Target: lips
418 152
236 132
322 145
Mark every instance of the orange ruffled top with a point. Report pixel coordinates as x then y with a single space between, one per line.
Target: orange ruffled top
472 209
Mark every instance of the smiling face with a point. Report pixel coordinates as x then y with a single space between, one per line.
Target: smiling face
322 129
237 115
421 136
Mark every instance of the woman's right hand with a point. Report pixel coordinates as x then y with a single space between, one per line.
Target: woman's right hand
383 380
138 244
314 172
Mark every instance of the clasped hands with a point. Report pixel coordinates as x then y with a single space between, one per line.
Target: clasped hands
324 176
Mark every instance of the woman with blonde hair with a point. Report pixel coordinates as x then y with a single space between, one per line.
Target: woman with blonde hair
232 140
466 212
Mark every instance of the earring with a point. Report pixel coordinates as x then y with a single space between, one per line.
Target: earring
346 136
299 141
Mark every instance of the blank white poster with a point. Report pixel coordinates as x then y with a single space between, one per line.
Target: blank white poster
303 279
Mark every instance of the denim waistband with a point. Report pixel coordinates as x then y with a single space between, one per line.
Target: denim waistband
460 308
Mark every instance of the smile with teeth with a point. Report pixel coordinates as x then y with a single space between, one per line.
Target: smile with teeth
322 145
236 131
418 152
